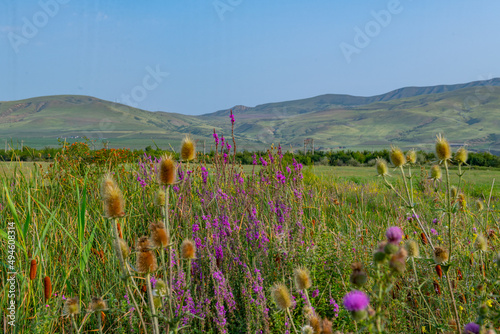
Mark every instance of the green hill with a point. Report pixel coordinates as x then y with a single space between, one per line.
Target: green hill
408 117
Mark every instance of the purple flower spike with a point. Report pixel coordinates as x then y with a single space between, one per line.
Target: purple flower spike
472 328
394 234
356 301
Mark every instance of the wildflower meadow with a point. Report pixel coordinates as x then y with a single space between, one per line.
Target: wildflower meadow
185 244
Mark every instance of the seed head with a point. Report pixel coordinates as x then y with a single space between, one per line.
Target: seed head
358 275
47 288
302 278
188 151
436 172
307 330
327 327
166 170
440 255
398 261
112 197
479 205
315 323
461 155
397 157
188 249
159 237
98 304
281 296
411 156
412 248
146 260
382 169
124 248
160 198
454 192
71 306
33 269
443 151
481 244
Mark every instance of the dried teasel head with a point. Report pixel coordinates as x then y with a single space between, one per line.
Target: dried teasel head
397 157
412 248
167 170
124 248
188 149
159 237
71 306
440 255
481 244
281 296
443 150
315 323
47 288
98 304
479 205
302 278
411 156
188 249
112 197
327 326
436 173
461 155
381 165
33 266
146 260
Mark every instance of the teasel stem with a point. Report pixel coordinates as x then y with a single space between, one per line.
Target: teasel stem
291 320
99 324
74 323
168 279
448 209
156 329
125 272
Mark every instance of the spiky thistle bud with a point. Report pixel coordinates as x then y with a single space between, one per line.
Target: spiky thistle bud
379 254
397 157
481 244
479 205
47 288
146 260
98 304
124 248
382 169
443 150
160 198
307 330
188 150
411 156
281 296
188 249
412 248
436 173
159 237
461 155
71 306
398 261
33 266
440 255
302 278
166 170
358 275
391 248
454 192
112 197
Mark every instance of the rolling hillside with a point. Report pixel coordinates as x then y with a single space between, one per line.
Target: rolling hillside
408 117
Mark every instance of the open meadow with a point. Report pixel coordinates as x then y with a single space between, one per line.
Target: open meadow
176 246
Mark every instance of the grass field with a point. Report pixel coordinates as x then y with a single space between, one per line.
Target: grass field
331 235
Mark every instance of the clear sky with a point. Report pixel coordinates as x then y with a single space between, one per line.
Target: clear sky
200 56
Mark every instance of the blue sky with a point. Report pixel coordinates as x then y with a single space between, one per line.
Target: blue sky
199 56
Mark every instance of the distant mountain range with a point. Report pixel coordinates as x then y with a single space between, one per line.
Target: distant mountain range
408 117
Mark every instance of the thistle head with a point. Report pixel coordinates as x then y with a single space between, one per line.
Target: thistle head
188 249
315 323
281 296
411 156
398 261
443 150
454 192
167 170
357 302
471 328
412 248
381 165
307 330
71 306
188 151
124 248
98 304
302 278
112 197
436 173
394 234
479 205
159 237
397 157
461 155
160 198
481 244
440 255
